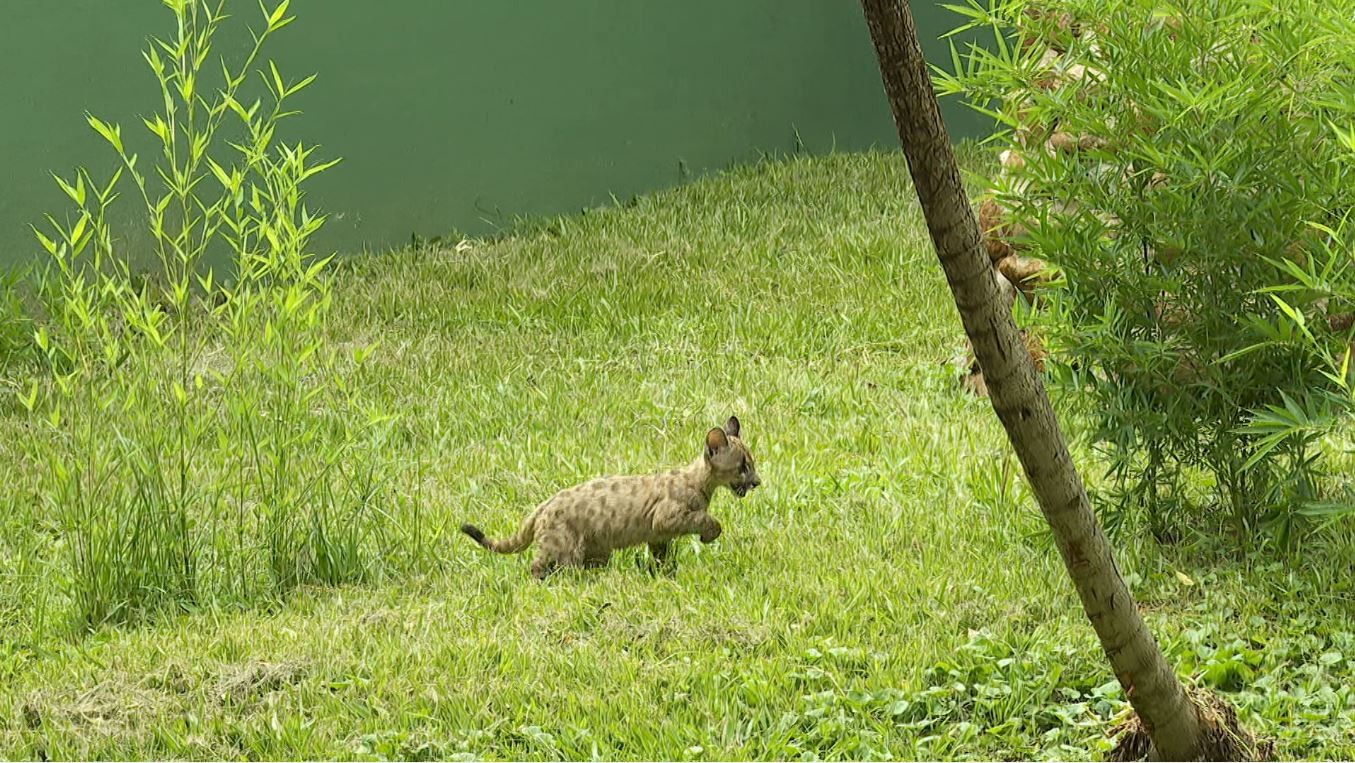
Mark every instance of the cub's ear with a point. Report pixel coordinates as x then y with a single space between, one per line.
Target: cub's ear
715 440
732 426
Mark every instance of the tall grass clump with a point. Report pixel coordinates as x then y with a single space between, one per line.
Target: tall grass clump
1183 168
16 331
200 442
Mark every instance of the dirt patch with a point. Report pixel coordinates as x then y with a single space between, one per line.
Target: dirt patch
109 705
241 683
1225 739
735 634
172 678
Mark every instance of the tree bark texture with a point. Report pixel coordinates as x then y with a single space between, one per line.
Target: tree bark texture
1018 394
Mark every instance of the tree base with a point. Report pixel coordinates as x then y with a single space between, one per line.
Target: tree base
1224 738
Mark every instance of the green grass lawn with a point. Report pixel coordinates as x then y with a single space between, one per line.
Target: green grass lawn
890 591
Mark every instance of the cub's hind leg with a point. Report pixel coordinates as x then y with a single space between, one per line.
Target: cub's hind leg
543 566
555 549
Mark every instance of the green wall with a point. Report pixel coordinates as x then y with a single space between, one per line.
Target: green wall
460 114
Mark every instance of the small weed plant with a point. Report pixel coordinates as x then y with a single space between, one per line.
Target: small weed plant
1186 168
200 442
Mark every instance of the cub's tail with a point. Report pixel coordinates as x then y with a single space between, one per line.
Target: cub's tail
512 545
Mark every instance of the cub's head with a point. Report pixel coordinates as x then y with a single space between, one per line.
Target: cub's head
731 462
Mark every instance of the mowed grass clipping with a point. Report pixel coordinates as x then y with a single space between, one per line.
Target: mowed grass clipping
889 592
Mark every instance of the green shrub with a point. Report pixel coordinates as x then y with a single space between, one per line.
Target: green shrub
201 441
1182 168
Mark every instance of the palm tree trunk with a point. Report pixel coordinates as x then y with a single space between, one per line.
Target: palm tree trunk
1018 395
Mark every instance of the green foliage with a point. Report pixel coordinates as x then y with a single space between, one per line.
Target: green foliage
894 553
1210 177
201 441
993 694
1325 279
